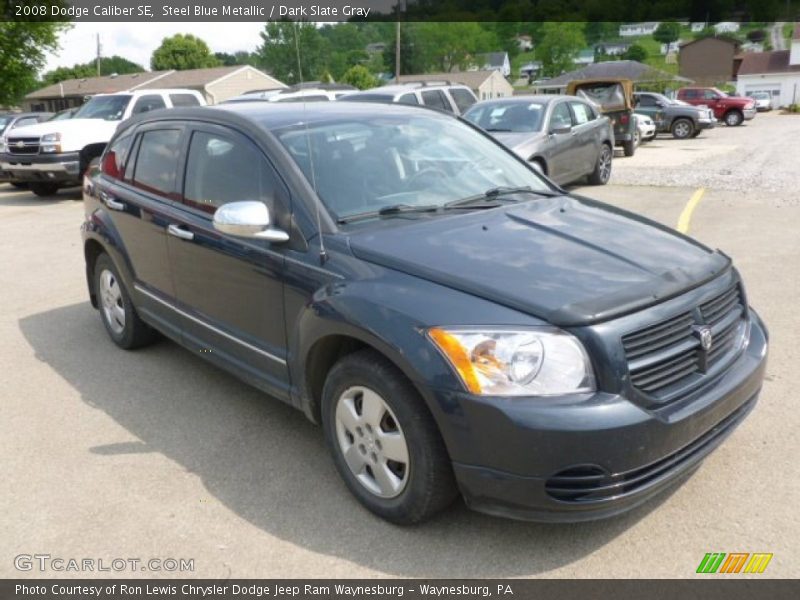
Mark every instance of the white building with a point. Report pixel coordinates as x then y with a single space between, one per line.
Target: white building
698 27
638 29
775 72
726 27
671 47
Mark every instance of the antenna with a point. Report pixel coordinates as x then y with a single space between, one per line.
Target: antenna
323 256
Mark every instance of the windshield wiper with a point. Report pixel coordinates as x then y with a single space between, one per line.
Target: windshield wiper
498 192
401 209
497 130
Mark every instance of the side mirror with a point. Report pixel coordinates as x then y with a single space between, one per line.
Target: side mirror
247 219
561 130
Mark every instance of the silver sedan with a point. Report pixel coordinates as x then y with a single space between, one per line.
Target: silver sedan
563 136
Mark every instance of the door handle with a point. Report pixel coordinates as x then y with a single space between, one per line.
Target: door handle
111 202
180 232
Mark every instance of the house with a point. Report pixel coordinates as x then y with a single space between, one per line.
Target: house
494 61
616 69
486 84
638 29
775 72
216 84
375 48
726 27
698 27
524 42
584 57
708 60
611 48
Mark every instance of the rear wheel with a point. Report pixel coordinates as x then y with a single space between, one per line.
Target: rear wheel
629 148
383 439
733 118
602 168
123 325
637 138
682 129
44 189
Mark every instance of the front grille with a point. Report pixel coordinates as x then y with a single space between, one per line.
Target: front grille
23 145
590 483
667 357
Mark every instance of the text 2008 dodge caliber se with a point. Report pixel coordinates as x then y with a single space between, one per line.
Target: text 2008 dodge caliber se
456 322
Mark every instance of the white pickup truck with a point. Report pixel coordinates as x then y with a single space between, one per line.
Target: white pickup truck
56 154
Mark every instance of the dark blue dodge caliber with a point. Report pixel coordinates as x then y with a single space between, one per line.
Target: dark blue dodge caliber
457 323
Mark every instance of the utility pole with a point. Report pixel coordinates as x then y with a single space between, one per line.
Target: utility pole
98 55
397 49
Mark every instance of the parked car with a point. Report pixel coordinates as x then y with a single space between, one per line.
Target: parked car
645 128
67 113
763 100
55 154
298 93
679 118
9 124
613 98
563 136
455 321
446 96
732 110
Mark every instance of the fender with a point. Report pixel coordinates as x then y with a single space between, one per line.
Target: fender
99 228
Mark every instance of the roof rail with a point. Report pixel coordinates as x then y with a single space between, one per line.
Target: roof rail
426 83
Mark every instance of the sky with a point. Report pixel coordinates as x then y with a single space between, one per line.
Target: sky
136 41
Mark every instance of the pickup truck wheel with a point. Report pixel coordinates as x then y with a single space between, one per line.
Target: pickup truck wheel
602 168
733 118
383 439
629 148
682 129
637 138
123 325
44 189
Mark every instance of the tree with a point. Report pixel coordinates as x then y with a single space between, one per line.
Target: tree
279 52
360 77
635 52
108 66
23 50
182 51
558 45
667 32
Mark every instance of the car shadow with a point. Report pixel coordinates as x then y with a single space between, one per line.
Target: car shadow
265 462
11 196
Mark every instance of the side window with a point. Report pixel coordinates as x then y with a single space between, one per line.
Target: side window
179 100
582 113
561 117
223 169
116 156
690 94
408 99
155 161
147 103
436 99
462 98
645 100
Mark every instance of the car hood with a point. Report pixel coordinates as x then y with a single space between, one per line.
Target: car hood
524 144
569 260
68 127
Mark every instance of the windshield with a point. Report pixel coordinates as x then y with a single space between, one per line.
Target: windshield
110 108
4 121
364 164
517 117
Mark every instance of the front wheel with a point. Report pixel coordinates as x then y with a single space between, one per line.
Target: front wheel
44 189
682 129
384 441
734 118
602 168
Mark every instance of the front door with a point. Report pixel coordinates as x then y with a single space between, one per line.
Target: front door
560 147
230 290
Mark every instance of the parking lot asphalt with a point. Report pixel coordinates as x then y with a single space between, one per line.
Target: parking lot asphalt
154 454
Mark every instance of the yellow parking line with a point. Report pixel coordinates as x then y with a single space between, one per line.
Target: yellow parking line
686 214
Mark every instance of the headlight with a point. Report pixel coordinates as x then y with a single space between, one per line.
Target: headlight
50 143
534 362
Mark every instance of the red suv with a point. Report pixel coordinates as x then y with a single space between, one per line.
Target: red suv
731 109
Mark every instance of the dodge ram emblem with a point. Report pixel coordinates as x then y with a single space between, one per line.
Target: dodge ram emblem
706 337
20 144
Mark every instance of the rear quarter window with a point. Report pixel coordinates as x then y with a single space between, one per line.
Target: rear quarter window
436 99
179 100
463 98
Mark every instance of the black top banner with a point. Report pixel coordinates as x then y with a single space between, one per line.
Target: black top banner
404 10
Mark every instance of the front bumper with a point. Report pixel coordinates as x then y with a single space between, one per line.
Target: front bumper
53 168
749 113
708 123
617 454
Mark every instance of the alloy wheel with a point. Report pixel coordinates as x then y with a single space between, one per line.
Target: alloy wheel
605 164
682 129
111 300
372 442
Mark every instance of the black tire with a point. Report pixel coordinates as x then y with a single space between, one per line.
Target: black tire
696 133
733 118
629 148
135 333
682 129
601 175
429 484
43 189
20 185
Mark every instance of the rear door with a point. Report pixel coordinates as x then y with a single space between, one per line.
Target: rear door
138 187
230 290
